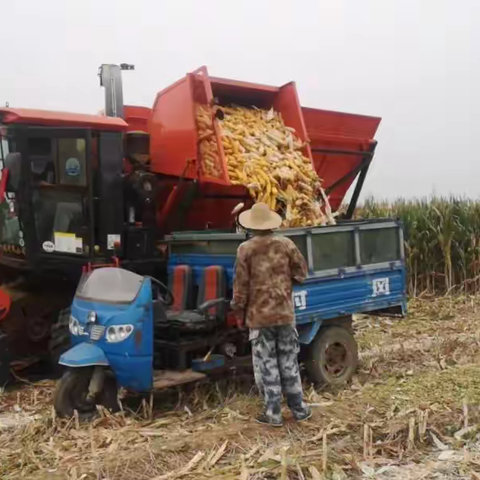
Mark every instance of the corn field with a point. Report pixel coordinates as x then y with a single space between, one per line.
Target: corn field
442 241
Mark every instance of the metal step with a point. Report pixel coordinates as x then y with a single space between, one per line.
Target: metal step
171 378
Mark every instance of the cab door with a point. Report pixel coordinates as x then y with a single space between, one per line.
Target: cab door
59 178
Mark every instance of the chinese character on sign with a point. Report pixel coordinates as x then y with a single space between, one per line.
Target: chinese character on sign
300 299
381 286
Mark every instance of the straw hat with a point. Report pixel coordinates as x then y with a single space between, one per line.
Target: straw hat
260 217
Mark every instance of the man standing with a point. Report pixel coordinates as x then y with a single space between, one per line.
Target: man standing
267 265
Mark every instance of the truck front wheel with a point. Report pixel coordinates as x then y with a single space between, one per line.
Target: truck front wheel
332 357
72 391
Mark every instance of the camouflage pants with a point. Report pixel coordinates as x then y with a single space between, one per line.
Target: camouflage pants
275 365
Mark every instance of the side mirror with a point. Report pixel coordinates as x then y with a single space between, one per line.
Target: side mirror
13 163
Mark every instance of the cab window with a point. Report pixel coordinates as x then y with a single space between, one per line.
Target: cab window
71 161
42 160
60 194
58 161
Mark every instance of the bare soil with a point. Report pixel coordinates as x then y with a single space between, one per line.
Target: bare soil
411 412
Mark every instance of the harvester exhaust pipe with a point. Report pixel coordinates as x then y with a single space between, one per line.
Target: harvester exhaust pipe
111 79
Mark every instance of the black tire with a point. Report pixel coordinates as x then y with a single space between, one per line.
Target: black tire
72 389
332 357
5 358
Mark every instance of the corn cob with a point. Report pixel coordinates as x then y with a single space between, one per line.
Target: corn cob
211 165
266 157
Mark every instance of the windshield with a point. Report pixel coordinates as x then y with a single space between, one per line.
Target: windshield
11 238
112 285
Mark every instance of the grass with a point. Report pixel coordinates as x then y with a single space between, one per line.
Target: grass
444 387
417 377
442 239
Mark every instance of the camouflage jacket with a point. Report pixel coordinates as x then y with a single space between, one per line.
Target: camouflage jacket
267 266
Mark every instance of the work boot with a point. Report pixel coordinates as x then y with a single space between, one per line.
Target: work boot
305 416
264 420
300 410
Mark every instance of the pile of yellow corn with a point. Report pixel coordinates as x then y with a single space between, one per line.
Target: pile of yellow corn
264 155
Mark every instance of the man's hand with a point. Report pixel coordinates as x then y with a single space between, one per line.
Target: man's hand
239 316
240 322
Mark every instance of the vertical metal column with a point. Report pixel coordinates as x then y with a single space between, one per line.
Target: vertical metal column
111 79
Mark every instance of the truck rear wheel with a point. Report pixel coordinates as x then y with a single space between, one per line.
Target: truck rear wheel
332 357
72 390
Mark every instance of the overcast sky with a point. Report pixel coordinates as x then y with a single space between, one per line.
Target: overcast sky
415 63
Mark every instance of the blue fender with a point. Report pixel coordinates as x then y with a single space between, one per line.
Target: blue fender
308 331
84 355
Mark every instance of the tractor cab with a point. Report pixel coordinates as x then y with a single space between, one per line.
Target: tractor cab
61 188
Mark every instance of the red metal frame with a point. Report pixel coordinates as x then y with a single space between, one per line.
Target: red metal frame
137 117
60 119
173 129
5 304
330 138
201 74
3 184
174 144
93 266
334 138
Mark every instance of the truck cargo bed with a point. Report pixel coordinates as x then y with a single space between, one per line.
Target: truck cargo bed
354 267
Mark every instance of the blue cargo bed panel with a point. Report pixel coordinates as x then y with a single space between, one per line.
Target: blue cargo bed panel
323 297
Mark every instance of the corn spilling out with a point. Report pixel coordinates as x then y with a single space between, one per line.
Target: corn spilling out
211 164
265 156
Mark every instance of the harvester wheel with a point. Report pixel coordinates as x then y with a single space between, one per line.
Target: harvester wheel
38 328
72 390
5 358
332 357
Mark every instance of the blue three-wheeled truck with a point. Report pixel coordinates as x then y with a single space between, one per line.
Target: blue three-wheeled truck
136 332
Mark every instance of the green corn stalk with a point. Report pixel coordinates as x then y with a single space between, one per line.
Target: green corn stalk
442 241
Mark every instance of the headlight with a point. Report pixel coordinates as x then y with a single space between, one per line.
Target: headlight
74 326
118 333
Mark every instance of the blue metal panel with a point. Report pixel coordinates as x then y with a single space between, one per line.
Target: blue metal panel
318 298
83 355
131 359
366 291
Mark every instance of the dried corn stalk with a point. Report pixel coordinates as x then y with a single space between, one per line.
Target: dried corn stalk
265 156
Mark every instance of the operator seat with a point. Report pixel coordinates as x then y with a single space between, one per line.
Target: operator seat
66 216
180 283
211 303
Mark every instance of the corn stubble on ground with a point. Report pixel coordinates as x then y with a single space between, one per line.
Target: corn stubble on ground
265 156
412 412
